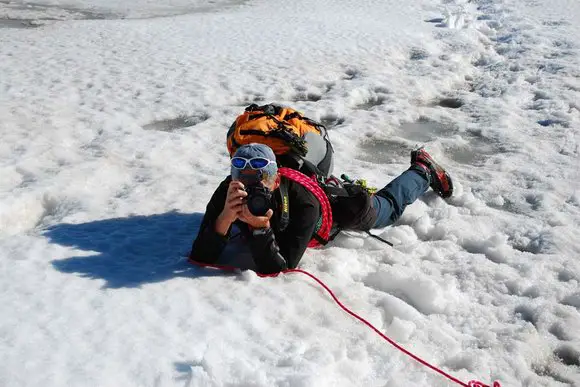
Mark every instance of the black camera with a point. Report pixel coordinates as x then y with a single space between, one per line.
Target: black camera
259 199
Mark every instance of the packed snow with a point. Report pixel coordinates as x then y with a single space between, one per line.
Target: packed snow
113 116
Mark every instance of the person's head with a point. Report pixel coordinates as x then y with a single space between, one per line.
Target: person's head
255 163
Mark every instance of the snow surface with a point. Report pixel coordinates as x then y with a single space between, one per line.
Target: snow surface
113 118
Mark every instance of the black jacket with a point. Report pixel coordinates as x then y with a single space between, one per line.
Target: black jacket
274 250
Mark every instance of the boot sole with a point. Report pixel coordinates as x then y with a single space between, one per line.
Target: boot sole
446 194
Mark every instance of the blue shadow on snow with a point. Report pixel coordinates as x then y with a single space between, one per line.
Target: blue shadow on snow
131 251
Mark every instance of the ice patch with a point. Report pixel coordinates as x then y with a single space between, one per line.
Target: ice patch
425 130
383 151
90 10
451 103
170 125
18 23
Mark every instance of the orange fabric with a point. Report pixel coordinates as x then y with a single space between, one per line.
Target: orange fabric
266 124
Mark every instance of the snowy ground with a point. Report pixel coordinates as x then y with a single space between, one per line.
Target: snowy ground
113 119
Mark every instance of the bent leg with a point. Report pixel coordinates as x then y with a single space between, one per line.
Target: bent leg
390 202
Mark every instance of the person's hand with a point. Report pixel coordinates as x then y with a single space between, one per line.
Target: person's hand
255 221
234 202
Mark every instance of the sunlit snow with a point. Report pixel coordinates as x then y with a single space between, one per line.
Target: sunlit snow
113 117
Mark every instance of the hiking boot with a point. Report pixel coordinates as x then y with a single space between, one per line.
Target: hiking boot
440 181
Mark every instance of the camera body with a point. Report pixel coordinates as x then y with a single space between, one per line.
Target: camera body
259 199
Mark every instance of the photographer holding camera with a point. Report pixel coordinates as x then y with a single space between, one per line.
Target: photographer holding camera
245 199
255 198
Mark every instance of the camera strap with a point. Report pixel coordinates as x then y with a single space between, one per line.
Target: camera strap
285 203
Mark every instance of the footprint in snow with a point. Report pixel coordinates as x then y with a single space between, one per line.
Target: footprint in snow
568 354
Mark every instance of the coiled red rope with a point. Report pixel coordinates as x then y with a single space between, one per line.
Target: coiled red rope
312 185
472 383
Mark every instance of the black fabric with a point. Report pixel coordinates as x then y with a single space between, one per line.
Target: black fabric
289 243
292 115
284 218
290 161
266 253
208 245
355 211
255 132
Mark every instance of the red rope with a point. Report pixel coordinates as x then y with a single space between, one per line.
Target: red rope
312 185
472 383
385 337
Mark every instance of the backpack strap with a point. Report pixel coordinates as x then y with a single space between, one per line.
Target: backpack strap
322 235
269 109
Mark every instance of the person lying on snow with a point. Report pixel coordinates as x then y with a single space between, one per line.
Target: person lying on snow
255 181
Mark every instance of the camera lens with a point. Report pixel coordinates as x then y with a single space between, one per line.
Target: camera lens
258 205
259 199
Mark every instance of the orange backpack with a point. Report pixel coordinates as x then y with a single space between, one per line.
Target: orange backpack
298 142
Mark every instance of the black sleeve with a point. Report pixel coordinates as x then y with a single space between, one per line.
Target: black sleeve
208 244
266 252
285 249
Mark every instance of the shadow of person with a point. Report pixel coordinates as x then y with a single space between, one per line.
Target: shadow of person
131 251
